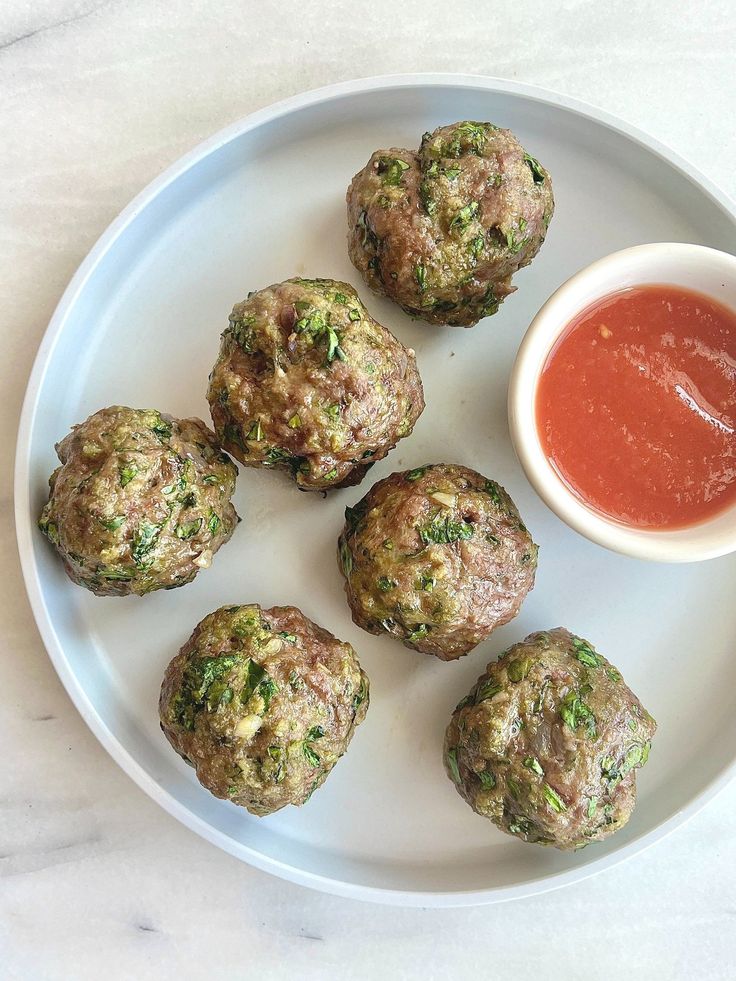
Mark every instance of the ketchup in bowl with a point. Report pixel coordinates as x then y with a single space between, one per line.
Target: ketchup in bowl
636 407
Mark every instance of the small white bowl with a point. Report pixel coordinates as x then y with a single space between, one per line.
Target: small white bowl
689 266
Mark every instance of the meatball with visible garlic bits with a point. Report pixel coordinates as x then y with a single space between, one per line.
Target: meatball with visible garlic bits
262 703
441 231
436 557
307 381
140 502
547 743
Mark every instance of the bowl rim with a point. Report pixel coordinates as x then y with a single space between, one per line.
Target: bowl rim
545 329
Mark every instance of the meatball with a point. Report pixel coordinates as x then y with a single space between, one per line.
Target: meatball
442 231
307 380
141 501
437 557
547 743
262 703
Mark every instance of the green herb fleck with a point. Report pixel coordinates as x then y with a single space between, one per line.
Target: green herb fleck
585 653
144 540
518 670
385 584
188 529
415 474
533 764
553 799
464 216
392 170
452 764
487 690
295 422
537 170
442 530
127 473
112 524
487 780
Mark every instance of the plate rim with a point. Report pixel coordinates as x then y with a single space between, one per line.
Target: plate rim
25 524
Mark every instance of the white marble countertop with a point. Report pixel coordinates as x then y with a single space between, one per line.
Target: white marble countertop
96 98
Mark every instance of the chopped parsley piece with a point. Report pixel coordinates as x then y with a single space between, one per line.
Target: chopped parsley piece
346 557
188 529
112 524
464 216
311 756
477 245
592 806
333 411
487 780
255 433
533 764
553 799
331 474
213 523
145 539
211 478
295 422
392 170
200 689
613 674
487 690
385 584
442 530
241 329
536 168
585 653
162 429
420 272
426 582
426 198
419 632
575 712
289 638
127 473
415 474
452 764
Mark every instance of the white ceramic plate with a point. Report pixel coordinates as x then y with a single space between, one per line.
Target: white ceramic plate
140 324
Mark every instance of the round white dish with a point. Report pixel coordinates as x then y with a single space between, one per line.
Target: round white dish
694 267
139 324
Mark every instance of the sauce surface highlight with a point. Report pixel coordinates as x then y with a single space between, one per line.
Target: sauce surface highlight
636 406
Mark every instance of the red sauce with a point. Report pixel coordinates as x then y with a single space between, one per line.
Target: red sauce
636 406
